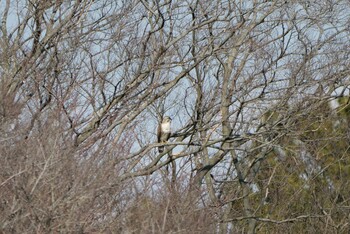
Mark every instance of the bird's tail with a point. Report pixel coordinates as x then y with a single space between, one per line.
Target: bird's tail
161 149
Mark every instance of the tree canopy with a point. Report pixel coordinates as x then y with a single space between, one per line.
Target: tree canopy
259 96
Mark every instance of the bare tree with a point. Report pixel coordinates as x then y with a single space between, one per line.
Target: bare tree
83 85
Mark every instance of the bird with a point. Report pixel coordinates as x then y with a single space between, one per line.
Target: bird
163 132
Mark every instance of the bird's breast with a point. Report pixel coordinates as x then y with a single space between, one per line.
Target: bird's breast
166 127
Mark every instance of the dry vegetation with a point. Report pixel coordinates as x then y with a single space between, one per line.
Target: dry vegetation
256 146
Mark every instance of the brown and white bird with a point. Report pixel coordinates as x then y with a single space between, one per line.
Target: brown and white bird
164 132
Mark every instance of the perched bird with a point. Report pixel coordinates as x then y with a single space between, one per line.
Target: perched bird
164 132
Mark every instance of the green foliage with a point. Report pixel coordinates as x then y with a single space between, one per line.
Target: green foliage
313 177
344 108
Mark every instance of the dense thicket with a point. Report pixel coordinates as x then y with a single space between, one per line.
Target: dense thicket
258 94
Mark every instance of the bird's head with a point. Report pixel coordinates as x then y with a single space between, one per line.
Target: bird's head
166 119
